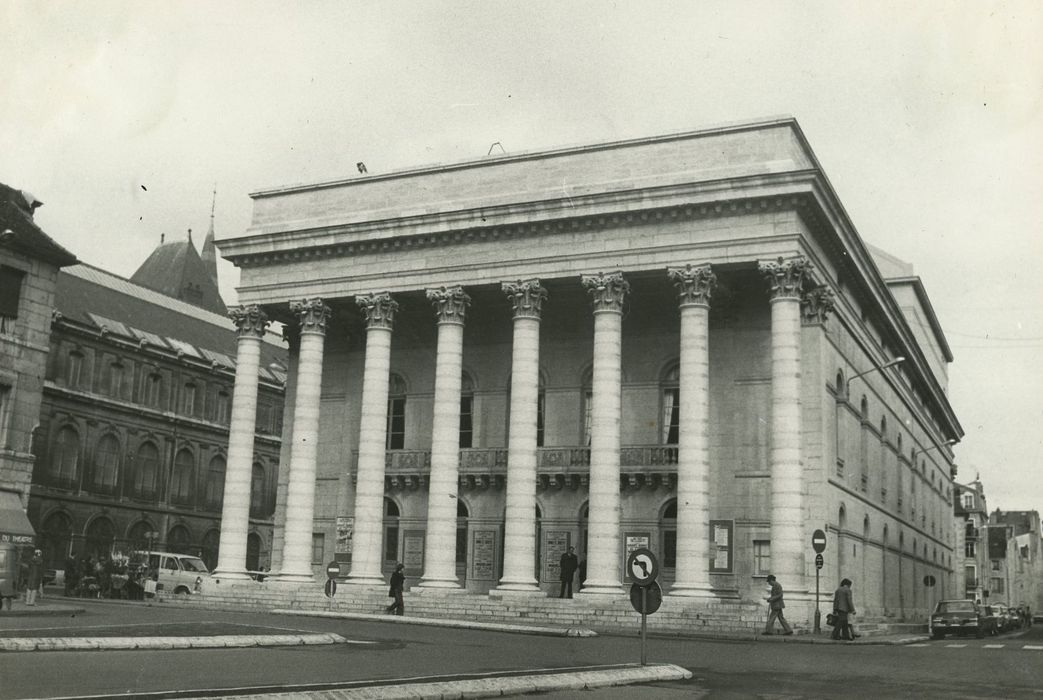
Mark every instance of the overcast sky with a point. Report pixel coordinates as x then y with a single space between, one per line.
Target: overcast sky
926 117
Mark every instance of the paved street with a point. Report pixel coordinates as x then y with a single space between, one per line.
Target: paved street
1007 666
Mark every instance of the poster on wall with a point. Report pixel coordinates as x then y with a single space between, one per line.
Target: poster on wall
721 538
632 541
555 543
483 555
413 552
345 533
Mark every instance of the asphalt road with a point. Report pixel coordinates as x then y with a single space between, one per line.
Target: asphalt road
968 668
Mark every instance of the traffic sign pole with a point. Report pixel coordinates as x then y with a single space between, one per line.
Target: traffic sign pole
644 617
818 543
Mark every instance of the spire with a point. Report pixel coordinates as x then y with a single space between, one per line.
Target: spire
209 255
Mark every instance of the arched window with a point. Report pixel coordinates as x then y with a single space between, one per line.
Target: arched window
668 533
143 535
146 471
65 457
178 540
210 548
670 398
883 428
56 540
215 483
98 538
257 499
106 464
865 407
840 386
253 552
466 411
396 418
462 513
181 479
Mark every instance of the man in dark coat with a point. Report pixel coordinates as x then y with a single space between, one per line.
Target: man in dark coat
569 564
843 606
34 578
398 581
775 606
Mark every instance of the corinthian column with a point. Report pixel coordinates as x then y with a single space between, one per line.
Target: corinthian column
695 285
519 555
369 489
440 549
250 323
785 278
300 490
603 543
291 334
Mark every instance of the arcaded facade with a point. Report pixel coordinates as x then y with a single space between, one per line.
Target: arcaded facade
678 342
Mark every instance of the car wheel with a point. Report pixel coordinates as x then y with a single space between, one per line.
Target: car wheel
181 592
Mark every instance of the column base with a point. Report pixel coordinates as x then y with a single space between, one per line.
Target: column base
230 574
601 590
693 591
510 587
439 583
365 580
292 577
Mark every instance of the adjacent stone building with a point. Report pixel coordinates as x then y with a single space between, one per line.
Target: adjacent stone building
137 401
970 529
678 342
1021 566
29 266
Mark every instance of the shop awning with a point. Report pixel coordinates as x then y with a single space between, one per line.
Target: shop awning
14 523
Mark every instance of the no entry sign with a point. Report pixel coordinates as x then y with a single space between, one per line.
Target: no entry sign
818 541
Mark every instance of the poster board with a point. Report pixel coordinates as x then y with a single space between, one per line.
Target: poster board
413 552
722 546
345 535
483 555
632 541
555 543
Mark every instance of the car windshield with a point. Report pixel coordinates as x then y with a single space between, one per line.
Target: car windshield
194 565
952 606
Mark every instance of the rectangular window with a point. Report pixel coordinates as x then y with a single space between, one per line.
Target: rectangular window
996 588
318 547
221 408
969 549
391 543
466 421
190 400
671 415
669 549
968 500
396 438
10 297
540 402
970 575
588 401
74 370
153 385
761 557
115 380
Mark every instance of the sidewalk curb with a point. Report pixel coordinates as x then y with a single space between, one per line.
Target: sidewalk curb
220 641
435 622
489 687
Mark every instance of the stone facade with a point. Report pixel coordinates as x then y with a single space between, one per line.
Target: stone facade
611 397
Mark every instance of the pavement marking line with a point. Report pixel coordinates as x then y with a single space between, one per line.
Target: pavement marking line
440 622
1033 646
918 645
993 646
955 646
10 644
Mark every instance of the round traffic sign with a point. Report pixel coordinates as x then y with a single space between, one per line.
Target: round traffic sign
818 561
646 599
818 541
333 570
642 566
330 589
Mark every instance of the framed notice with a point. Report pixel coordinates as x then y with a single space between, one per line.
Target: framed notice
555 543
483 555
632 541
413 552
345 534
722 538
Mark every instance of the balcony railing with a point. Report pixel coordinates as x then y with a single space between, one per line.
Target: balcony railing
557 460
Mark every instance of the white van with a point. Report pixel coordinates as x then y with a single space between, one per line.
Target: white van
177 574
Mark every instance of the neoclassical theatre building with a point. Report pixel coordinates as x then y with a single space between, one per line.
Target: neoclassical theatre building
678 342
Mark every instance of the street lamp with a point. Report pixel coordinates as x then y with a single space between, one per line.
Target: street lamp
912 457
892 363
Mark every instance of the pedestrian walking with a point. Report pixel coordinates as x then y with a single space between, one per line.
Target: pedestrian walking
34 578
843 608
398 581
569 564
775 606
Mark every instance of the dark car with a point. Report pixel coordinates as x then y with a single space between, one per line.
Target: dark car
957 617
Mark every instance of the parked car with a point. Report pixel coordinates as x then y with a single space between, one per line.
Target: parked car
180 574
957 617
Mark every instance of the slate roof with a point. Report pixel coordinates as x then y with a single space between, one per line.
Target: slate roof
26 237
94 297
176 270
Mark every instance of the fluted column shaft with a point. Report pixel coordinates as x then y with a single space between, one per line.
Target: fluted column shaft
695 286
251 323
440 547
603 539
519 554
785 278
300 490
369 488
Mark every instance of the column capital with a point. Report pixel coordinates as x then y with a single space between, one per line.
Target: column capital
312 315
379 309
450 304
249 320
608 290
816 304
785 277
695 285
526 297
